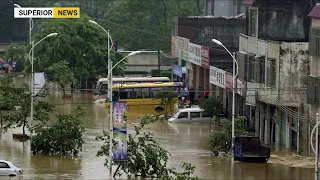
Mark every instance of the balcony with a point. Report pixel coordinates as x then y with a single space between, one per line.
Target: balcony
252 45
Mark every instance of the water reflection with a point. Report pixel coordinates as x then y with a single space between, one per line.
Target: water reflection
185 142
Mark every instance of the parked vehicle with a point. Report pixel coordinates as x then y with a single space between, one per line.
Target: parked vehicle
7 168
250 149
190 115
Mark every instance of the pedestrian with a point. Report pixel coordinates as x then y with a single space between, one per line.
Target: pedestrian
199 94
191 95
206 93
14 66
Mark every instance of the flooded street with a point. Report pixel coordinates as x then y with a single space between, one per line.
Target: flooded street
185 142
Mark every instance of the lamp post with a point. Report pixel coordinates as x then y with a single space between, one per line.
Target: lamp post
31 57
316 151
234 74
109 77
30 25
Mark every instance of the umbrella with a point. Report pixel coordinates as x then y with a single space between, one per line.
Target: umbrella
6 65
1 60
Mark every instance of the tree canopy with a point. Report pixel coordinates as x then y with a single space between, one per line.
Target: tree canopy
82 44
64 137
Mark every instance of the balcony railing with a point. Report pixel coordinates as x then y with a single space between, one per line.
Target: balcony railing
252 45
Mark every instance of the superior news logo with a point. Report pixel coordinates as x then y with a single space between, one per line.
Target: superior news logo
61 12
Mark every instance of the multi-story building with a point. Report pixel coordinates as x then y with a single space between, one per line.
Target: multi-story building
201 30
313 92
274 66
223 8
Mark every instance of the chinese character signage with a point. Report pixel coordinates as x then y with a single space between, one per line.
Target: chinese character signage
240 87
177 70
120 148
173 46
205 57
120 130
182 50
229 80
194 54
217 77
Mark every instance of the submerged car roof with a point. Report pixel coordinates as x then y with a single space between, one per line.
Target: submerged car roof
197 109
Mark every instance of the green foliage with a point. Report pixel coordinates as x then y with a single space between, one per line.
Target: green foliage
149 29
146 158
212 106
167 100
61 73
65 137
6 98
19 54
221 135
163 73
82 44
21 100
15 106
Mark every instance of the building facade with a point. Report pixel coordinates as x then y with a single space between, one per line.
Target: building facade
223 8
201 30
273 62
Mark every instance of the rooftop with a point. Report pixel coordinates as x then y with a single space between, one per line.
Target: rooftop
315 12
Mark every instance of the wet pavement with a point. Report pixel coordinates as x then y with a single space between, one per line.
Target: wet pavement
185 142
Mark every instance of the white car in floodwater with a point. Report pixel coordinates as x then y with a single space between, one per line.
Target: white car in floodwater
190 115
7 168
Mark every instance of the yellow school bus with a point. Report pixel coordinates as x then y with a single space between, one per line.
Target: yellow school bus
142 94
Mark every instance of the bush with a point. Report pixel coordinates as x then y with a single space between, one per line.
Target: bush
61 138
167 100
220 139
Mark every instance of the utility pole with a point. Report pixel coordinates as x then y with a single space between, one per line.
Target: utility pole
159 60
317 150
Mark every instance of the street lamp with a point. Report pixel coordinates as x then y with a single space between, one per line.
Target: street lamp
235 63
31 57
30 24
109 77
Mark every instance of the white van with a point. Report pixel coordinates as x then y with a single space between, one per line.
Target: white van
190 115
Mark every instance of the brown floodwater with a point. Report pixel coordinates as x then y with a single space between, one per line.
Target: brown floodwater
185 142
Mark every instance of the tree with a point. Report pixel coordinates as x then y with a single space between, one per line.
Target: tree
146 158
149 29
17 53
220 138
82 44
6 98
167 100
213 107
65 137
61 73
21 100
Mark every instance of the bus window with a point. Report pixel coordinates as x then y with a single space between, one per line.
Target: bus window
139 94
103 89
123 95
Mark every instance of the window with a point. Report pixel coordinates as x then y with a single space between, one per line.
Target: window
183 115
205 114
271 73
251 69
4 165
103 89
262 70
252 22
314 41
195 114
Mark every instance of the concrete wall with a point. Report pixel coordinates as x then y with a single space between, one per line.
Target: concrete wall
294 70
284 20
223 8
314 69
201 30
